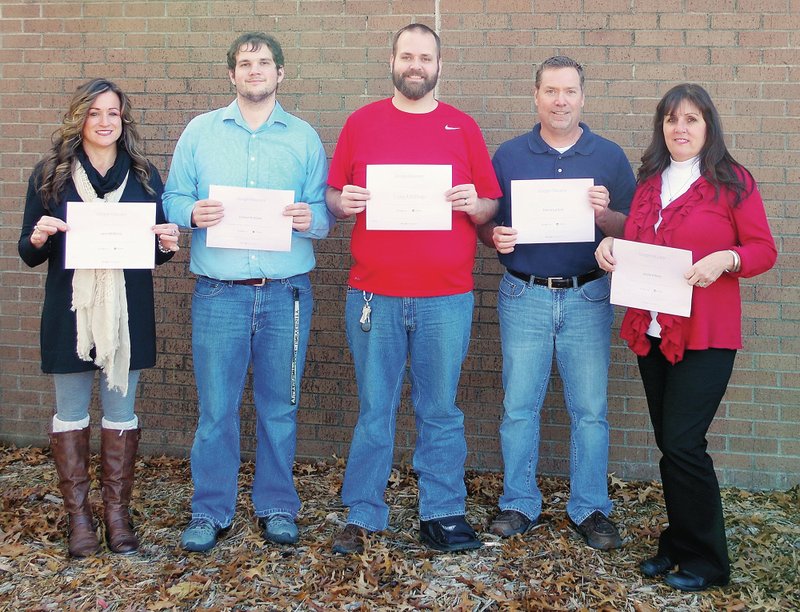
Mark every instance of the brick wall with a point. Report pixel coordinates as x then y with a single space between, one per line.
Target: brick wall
169 56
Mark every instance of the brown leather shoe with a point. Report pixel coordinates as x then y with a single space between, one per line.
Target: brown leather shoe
71 456
598 531
350 540
118 459
509 523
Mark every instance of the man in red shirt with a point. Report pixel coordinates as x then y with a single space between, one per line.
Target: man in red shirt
410 296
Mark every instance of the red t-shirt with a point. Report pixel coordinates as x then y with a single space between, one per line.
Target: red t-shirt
413 263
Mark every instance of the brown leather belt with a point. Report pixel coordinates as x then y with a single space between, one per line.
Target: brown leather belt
559 282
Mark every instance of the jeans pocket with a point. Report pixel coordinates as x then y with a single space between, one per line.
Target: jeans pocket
208 287
512 287
301 282
598 290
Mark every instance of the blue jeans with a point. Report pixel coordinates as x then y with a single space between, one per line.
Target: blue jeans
575 324
433 333
234 326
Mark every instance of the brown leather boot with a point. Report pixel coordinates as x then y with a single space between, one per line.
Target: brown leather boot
118 458
71 454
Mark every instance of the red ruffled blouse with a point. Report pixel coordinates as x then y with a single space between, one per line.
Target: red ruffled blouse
702 223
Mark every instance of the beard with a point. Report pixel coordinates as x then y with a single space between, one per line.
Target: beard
416 90
256 95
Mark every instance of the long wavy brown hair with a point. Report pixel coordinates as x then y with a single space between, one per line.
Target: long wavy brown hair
717 165
55 169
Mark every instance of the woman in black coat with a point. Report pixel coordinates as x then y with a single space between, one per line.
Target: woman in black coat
94 319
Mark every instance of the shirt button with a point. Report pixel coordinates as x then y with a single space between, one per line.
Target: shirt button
252 159
559 169
253 182
252 135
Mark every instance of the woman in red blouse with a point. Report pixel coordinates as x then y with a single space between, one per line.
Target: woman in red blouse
692 195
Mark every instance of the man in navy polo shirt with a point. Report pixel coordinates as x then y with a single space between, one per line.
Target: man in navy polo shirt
553 298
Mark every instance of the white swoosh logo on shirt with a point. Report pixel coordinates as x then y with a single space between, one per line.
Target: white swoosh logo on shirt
451 127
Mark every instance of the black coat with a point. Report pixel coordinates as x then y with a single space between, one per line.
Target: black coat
58 337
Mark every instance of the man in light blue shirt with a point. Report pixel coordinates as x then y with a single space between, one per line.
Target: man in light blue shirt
250 307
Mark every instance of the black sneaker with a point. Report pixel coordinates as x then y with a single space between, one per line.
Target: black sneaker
449 534
598 531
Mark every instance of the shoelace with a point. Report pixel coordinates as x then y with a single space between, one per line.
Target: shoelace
600 523
201 525
280 521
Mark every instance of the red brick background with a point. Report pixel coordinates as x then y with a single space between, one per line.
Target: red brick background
170 57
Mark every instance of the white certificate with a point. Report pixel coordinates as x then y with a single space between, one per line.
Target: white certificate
552 210
253 219
650 277
112 236
409 197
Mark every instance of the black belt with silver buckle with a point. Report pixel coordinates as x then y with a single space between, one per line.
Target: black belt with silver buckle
253 282
559 282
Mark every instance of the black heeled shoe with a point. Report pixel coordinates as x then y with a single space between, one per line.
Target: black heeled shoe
655 566
685 580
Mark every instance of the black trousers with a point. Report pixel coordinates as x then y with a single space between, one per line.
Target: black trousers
683 399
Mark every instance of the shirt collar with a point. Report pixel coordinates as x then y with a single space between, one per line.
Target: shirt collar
233 113
584 146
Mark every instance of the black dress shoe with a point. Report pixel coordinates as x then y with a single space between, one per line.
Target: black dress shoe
655 566
449 534
685 580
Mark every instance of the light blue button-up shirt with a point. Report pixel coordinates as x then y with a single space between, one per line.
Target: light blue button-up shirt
219 148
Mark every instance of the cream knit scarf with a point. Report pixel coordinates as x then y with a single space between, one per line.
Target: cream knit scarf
100 304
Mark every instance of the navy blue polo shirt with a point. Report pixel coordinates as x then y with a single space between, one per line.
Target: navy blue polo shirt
530 157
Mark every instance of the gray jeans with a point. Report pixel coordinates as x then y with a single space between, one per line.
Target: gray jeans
74 392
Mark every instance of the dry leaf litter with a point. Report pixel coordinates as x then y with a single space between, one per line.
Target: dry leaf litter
548 568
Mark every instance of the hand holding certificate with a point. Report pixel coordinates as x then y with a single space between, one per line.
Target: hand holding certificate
409 197
253 219
651 277
552 210
110 236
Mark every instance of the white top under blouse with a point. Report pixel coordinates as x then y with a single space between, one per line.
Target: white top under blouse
675 181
